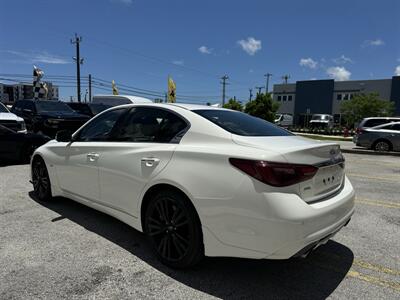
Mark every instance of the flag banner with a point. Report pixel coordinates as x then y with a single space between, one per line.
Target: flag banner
39 90
171 90
114 88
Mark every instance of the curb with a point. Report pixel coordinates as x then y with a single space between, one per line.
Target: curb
324 137
369 152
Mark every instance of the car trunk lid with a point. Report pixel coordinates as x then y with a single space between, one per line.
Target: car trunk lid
297 150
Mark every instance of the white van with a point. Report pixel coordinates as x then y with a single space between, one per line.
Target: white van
284 120
114 100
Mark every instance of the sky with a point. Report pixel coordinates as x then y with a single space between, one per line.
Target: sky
139 43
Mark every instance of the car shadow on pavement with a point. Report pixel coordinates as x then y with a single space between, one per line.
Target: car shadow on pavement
315 277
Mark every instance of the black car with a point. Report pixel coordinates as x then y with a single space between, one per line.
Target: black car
89 109
18 147
48 116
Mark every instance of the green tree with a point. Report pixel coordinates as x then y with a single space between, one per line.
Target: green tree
364 106
233 104
262 107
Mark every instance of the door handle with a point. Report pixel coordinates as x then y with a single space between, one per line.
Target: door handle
150 161
93 156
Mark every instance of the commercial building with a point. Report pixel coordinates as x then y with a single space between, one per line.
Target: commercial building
305 98
9 93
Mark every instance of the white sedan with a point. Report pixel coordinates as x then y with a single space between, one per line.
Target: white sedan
200 180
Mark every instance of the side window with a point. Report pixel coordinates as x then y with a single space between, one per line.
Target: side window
151 125
18 106
100 128
396 127
29 105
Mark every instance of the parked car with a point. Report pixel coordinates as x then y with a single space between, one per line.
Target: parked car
114 100
18 146
89 109
321 121
48 116
284 120
10 120
201 180
375 121
384 137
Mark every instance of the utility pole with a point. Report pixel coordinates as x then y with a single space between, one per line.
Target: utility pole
224 83
285 78
251 94
166 97
268 75
90 87
76 40
259 88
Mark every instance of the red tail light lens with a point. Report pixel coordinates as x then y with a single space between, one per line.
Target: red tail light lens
275 174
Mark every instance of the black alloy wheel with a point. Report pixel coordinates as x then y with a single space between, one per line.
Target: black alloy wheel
41 180
174 230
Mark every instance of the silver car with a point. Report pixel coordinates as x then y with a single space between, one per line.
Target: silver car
384 137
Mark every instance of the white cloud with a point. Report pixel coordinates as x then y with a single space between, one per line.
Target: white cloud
373 43
251 45
178 62
338 73
38 57
397 71
341 60
308 62
205 50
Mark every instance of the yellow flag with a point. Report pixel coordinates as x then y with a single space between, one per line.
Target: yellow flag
114 88
171 90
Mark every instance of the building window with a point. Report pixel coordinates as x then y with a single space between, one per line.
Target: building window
284 97
351 96
289 98
339 97
279 98
346 97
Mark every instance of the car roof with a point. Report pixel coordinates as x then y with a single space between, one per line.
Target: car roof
383 118
190 106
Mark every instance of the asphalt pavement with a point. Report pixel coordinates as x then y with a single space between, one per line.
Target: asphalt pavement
63 250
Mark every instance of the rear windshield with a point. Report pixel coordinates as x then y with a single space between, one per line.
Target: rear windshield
53 106
241 124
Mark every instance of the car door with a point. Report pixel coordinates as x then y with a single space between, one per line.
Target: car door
142 146
77 170
395 136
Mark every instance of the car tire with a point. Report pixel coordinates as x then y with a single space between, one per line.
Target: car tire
173 228
41 180
382 146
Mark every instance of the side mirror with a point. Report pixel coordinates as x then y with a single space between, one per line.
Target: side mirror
64 136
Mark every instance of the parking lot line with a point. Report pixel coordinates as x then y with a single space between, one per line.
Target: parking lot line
391 179
372 279
378 203
357 274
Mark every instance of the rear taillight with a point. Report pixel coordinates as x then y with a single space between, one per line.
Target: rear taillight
275 174
359 131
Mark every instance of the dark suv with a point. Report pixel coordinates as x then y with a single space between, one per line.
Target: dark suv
48 116
89 109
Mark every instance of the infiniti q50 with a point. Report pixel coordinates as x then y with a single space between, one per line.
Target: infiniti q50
199 180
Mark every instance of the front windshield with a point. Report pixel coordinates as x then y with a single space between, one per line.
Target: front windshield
3 109
319 117
53 106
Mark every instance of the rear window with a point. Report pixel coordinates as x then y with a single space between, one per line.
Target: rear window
241 124
376 122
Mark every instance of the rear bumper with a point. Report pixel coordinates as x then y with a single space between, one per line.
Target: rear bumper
279 226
